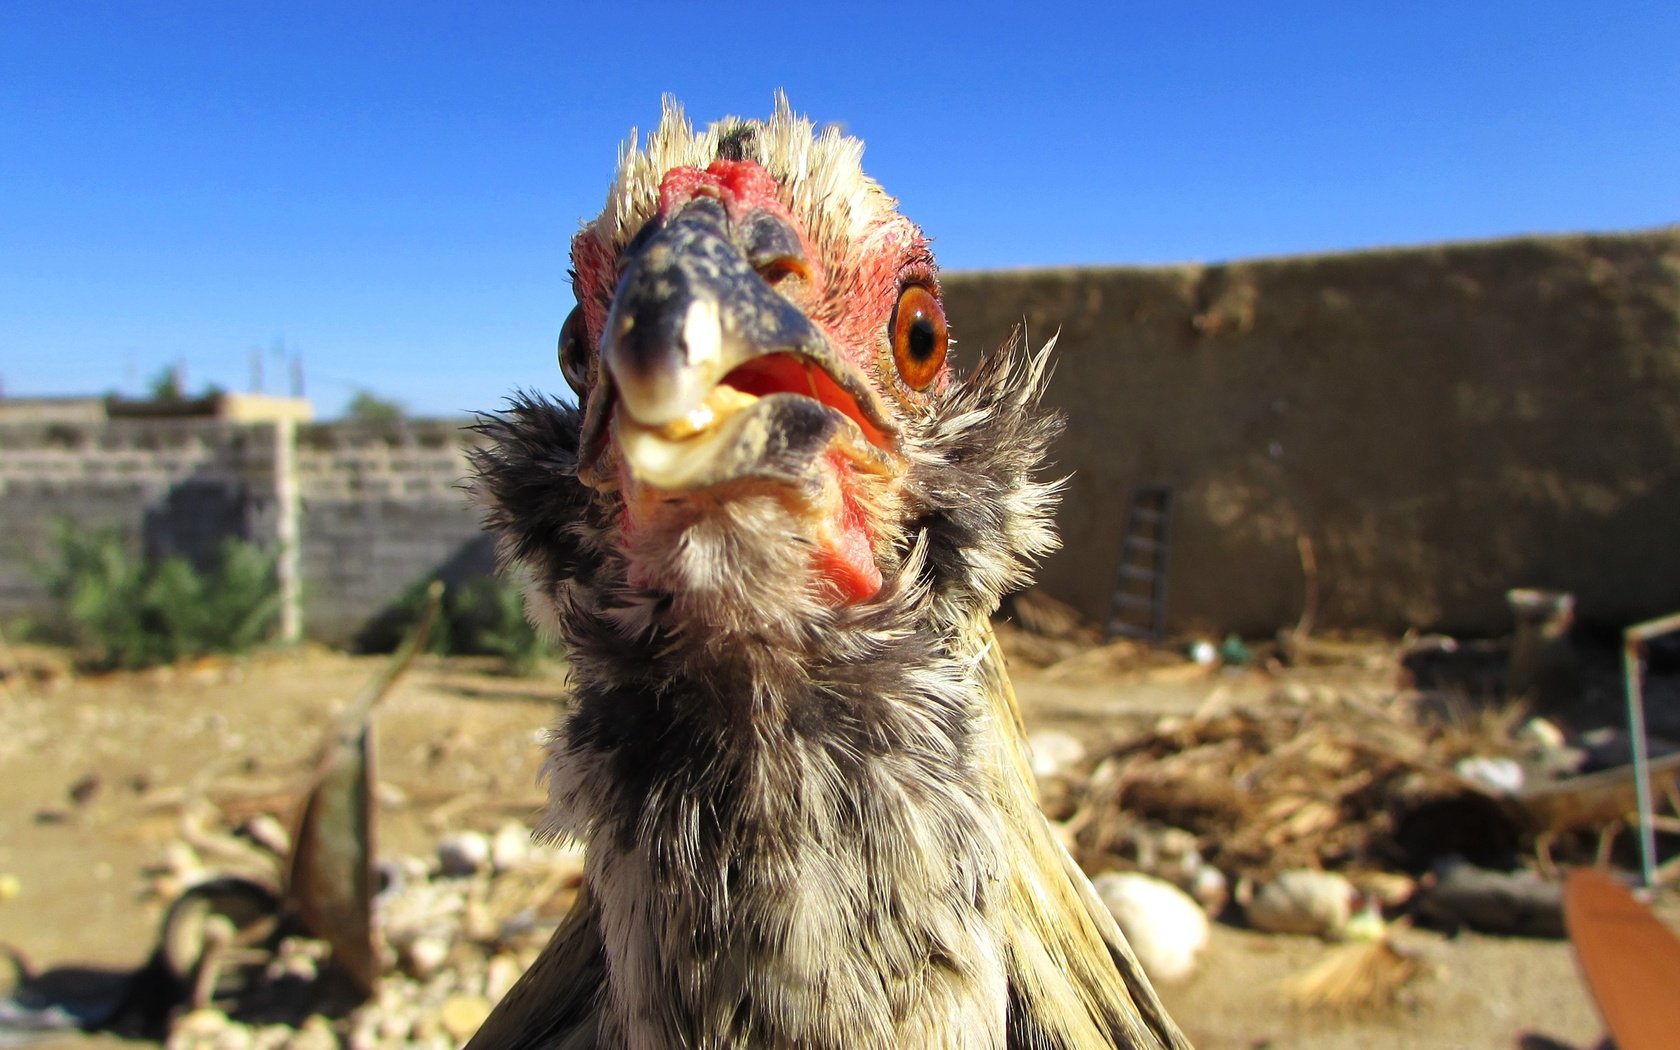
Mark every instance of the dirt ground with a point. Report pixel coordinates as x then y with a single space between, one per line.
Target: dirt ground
92 770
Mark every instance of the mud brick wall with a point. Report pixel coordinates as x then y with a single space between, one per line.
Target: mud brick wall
1442 423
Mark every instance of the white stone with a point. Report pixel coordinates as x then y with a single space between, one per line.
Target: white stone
511 847
1054 752
1164 926
269 833
424 956
1503 775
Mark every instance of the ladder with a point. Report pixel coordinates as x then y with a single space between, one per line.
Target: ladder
1139 608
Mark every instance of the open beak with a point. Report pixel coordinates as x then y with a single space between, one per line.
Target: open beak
710 376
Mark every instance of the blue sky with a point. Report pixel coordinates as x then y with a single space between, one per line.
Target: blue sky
387 191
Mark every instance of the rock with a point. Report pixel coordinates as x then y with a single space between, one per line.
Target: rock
269 833
500 975
1166 852
464 853
1459 894
479 923
364 1031
276 1037
395 1028
1210 888
462 1014
1165 928
511 847
424 956
202 1024
316 1034
1502 775
1542 733
1304 901
1054 752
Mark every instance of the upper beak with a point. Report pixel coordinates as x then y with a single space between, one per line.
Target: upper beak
689 313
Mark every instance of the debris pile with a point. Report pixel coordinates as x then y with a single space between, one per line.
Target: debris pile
1313 778
452 935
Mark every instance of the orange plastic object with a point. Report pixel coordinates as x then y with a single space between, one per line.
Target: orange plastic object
1630 960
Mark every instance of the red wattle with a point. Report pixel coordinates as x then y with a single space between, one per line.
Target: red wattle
845 557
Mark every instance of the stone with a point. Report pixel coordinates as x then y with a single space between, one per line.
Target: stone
1304 901
500 975
463 853
269 833
511 847
462 1014
424 956
1165 927
316 1034
1054 753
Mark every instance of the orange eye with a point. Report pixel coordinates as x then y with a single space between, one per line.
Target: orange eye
919 337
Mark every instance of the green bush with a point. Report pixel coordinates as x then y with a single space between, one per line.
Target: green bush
484 616
489 619
118 610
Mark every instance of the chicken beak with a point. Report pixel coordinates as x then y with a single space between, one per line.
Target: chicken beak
688 311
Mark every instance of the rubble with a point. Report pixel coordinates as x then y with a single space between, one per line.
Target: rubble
1311 778
450 945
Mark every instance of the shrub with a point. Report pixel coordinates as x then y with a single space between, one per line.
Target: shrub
484 616
118 610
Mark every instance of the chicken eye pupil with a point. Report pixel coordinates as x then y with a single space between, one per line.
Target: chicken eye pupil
923 338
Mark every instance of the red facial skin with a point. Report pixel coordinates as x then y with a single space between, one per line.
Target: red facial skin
849 294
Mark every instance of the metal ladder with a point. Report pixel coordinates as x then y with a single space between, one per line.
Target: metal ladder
1139 609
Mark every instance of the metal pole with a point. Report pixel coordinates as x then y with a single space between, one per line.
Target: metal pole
1632 650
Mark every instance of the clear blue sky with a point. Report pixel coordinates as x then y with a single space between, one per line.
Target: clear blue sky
388 190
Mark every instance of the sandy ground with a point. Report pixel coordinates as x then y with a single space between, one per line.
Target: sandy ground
91 771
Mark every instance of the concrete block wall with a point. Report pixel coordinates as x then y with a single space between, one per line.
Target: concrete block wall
153 480
382 509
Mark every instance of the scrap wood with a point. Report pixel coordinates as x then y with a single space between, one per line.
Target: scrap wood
1097 659
1314 780
1594 799
1311 817
1303 650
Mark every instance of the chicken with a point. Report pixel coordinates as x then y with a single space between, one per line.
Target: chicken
771 538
